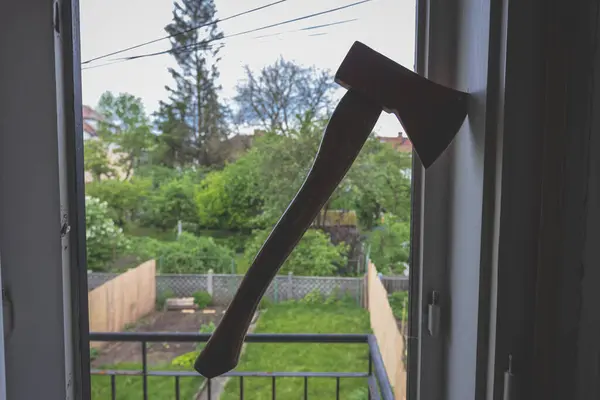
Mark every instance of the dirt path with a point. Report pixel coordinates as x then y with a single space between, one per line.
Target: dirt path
167 321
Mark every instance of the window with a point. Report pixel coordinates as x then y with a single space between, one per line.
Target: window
464 244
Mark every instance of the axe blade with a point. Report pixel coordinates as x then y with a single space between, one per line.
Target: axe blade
431 114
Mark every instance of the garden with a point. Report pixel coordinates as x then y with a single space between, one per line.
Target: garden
313 314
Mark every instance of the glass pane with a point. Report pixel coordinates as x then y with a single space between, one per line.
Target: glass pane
202 120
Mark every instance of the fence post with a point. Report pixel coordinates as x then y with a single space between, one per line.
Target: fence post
290 286
209 282
276 294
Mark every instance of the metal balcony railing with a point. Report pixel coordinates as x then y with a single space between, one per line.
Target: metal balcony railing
378 382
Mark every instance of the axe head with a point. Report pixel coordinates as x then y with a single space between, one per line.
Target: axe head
431 114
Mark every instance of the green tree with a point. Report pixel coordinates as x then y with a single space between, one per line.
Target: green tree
96 162
127 126
104 239
390 245
315 255
231 199
171 202
192 121
125 199
276 96
379 182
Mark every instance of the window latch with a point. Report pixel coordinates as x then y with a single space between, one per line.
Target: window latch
433 314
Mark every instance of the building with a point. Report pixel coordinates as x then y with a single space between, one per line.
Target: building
400 142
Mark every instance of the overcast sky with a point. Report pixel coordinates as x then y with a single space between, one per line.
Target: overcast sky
107 25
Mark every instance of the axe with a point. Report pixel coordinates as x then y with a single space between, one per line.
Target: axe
431 115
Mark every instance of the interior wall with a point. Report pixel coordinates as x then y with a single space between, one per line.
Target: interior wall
30 240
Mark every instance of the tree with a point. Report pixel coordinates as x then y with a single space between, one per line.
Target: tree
315 255
127 126
283 95
379 182
103 238
171 202
125 199
96 162
231 199
390 245
192 121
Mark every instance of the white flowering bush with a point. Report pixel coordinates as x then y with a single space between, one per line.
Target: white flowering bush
104 239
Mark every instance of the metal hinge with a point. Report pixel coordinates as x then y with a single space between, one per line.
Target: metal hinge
434 314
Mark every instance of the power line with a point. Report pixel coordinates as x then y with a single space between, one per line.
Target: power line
137 46
205 42
308 28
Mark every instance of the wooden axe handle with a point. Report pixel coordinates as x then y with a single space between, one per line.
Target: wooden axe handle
347 130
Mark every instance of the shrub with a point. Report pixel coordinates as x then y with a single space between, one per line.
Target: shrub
161 298
202 299
94 353
265 303
313 297
187 255
185 360
315 255
208 328
104 239
399 304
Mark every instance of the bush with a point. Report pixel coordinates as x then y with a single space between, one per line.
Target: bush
185 360
208 328
399 304
265 303
104 239
315 297
202 299
315 255
161 298
187 255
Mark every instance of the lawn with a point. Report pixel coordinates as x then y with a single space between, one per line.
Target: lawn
288 317
130 387
298 357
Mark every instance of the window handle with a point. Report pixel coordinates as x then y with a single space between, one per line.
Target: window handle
431 115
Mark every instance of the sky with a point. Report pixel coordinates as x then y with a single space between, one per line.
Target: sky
387 26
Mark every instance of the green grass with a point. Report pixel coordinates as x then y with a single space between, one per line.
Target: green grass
130 387
298 357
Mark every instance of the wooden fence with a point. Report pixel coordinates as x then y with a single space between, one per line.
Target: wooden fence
123 300
385 329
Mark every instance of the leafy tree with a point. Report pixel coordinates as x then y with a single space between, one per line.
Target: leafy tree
390 245
230 199
104 239
126 125
192 120
283 95
125 199
379 182
96 162
171 202
315 255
